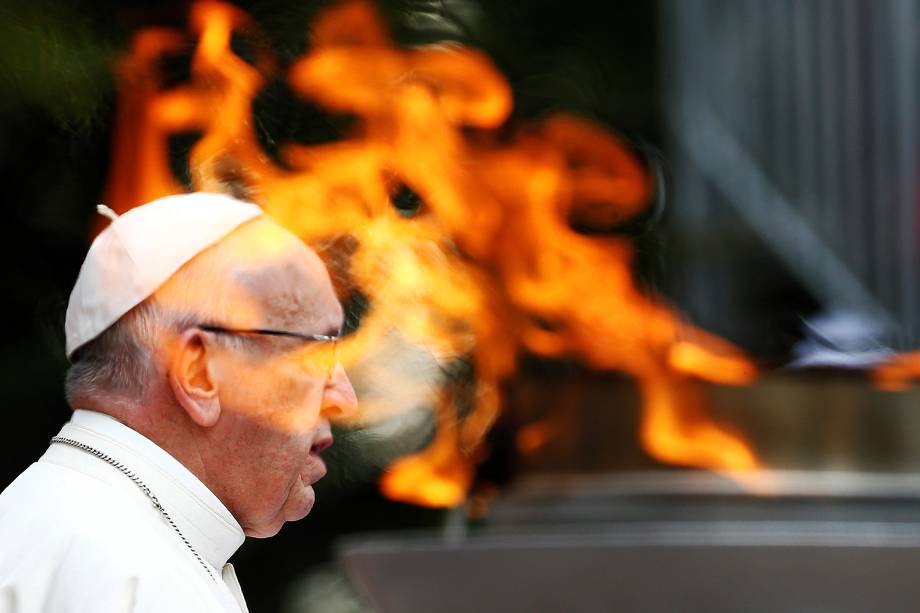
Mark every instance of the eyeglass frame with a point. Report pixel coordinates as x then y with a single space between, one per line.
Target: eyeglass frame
316 338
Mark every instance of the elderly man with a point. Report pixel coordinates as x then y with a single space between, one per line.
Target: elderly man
203 376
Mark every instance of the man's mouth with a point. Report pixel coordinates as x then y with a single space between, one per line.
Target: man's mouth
315 470
316 467
314 474
321 444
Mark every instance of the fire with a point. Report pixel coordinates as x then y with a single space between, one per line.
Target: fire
898 372
487 267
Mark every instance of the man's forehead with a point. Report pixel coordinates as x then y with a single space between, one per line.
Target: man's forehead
293 291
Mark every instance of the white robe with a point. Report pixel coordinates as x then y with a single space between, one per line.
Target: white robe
77 535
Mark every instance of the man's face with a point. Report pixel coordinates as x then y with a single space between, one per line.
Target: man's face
276 393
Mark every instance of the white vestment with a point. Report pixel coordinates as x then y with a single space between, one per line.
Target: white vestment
77 535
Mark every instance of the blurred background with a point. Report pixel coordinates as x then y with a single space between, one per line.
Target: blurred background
781 141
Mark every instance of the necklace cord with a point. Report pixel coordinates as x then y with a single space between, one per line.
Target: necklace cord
130 474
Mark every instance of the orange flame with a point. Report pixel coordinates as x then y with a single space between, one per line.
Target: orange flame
897 373
490 266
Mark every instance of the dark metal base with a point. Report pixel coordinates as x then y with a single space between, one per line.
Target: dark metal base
678 542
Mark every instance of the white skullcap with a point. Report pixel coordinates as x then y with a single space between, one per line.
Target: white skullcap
139 251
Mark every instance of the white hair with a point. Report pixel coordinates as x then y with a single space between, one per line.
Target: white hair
118 362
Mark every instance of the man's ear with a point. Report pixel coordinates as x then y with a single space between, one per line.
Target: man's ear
191 378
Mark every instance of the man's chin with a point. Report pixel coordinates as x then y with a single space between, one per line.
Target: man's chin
262 533
298 505
300 502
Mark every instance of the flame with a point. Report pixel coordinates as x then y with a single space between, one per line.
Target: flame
438 476
488 267
897 373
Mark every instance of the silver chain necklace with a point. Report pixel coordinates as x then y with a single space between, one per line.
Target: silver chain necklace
143 487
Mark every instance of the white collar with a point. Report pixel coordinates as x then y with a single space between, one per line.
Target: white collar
203 519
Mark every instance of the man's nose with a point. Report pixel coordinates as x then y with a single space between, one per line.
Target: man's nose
339 398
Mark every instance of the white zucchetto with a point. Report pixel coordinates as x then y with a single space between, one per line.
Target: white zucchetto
139 251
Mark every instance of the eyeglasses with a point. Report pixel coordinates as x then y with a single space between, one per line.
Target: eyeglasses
324 354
